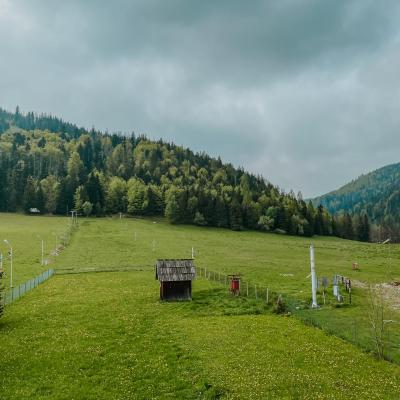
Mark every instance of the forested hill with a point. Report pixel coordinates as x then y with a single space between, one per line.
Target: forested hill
54 166
377 194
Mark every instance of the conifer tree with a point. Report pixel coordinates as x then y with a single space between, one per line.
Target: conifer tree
172 208
236 216
29 200
347 228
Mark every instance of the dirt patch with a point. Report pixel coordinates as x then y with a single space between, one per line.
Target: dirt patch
358 284
391 291
392 294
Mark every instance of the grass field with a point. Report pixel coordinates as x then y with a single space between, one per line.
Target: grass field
106 335
279 262
260 257
25 234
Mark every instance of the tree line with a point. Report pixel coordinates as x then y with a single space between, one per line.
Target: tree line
52 166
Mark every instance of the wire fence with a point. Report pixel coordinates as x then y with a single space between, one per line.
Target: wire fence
246 288
10 295
353 330
65 237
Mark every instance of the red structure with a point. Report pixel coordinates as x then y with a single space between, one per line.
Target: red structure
234 286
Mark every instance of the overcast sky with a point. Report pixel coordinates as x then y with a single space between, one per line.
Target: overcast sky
306 93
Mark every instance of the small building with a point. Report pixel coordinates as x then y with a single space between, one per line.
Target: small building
234 286
175 278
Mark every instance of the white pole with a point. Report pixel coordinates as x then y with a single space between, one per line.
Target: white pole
42 252
11 269
313 278
11 261
192 253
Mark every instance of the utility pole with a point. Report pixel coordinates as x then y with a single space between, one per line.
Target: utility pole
313 278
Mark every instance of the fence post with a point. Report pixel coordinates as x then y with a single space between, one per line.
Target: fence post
267 295
247 289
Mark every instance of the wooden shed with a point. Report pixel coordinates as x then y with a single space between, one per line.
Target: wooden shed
175 278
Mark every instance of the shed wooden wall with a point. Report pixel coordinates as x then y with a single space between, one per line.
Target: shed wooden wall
176 290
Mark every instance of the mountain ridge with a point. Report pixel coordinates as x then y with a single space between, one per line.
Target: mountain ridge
376 194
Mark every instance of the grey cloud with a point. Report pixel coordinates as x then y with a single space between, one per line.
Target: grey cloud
303 92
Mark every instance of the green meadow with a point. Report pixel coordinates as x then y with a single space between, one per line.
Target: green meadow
105 335
25 235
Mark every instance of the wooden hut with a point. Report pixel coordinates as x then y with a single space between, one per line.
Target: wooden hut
175 278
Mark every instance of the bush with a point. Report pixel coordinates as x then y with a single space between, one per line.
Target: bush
199 219
280 306
87 208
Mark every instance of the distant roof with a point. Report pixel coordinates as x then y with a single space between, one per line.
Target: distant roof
171 270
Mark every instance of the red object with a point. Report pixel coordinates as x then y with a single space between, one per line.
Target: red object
235 285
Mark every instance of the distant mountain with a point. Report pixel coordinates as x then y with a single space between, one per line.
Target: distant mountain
377 194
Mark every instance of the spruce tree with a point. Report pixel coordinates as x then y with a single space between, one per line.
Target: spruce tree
347 228
172 208
235 216
29 200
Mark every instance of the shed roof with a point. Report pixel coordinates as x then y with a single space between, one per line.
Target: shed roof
175 270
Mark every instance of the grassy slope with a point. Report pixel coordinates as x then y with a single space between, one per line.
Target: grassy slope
261 257
25 233
106 335
87 323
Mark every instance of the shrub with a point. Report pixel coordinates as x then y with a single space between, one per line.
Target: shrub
280 306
